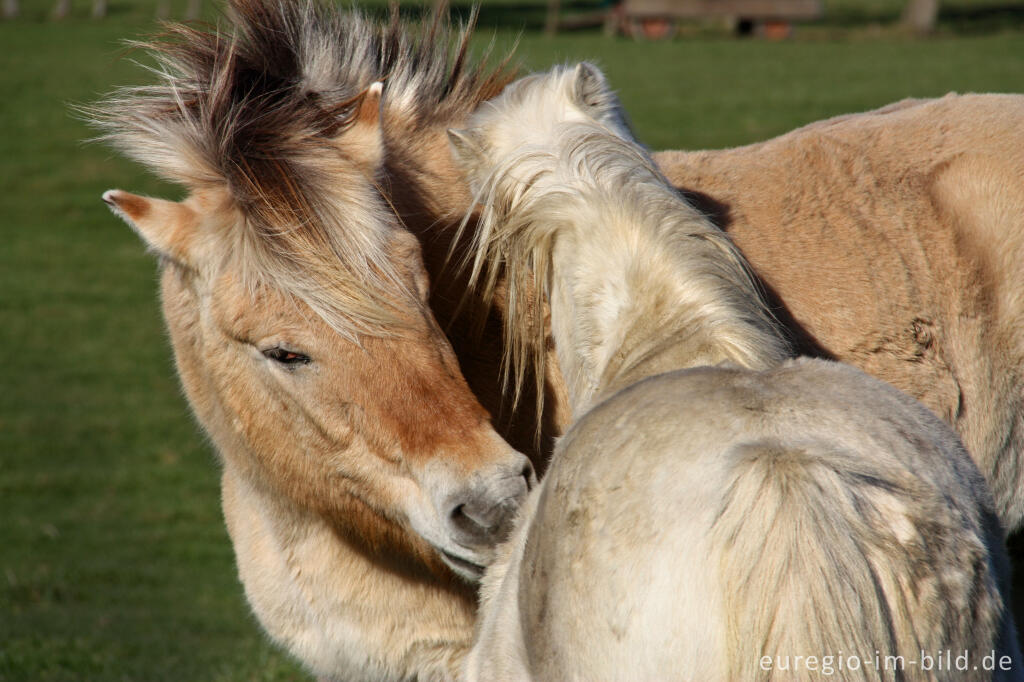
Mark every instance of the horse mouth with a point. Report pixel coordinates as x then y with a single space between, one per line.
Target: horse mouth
463 567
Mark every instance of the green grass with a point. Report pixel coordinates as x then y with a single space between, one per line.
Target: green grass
114 563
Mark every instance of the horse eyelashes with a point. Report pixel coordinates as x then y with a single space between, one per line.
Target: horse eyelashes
286 357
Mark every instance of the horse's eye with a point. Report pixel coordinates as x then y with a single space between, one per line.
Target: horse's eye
286 357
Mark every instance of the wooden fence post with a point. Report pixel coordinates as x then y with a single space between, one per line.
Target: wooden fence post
920 15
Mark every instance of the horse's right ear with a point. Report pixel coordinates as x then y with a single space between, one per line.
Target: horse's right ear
167 227
591 91
465 144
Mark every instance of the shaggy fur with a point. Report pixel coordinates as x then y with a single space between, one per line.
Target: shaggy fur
693 523
258 109
698 521
875 233
360 474
889 240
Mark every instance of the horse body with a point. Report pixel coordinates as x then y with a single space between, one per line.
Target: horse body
892 240
364 485
694 523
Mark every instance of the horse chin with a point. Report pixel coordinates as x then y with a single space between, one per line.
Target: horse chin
466 569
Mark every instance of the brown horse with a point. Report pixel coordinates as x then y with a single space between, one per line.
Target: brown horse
364 486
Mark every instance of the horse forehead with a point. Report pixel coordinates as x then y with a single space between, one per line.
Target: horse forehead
233 304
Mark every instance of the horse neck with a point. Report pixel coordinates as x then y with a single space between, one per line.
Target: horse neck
642 284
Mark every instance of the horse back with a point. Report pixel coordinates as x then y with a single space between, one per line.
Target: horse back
700 521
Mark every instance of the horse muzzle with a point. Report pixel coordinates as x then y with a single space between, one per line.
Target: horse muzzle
479 512
483 513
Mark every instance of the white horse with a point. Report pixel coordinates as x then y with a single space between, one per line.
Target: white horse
766 518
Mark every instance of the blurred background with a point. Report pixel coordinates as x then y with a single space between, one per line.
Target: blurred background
114 560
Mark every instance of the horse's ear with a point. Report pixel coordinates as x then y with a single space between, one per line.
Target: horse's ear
466 145
167 227
590 90
364 141
369 105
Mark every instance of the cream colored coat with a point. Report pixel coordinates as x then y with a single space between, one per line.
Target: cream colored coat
889 239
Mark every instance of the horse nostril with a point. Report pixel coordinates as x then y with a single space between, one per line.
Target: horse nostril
482 511
472 528
464 523
481 517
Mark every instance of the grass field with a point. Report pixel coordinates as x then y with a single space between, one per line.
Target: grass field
114 563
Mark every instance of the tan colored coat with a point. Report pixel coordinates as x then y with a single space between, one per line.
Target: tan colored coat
894 240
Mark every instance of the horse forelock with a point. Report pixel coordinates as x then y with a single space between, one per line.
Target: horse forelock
265 108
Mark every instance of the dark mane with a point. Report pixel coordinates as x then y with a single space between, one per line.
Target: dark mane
260 107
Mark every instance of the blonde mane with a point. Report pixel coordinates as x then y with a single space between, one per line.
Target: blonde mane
588 171
260 108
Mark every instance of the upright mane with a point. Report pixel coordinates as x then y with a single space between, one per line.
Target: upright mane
585 171
260 108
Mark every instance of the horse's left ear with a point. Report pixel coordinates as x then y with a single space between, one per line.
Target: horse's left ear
369 106
591 92
364 141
